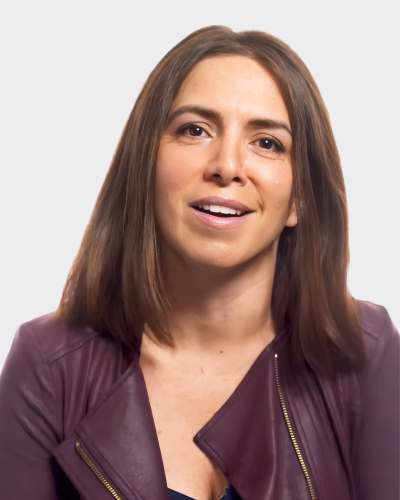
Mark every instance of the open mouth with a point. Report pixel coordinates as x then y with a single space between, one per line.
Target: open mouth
219 214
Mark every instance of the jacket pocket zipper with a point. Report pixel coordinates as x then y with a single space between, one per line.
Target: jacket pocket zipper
95 469
292 433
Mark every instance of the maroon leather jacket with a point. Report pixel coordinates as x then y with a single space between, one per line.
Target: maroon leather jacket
75 422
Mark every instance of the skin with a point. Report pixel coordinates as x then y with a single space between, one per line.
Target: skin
218 281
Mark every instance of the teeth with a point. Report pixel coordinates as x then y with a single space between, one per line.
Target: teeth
221 210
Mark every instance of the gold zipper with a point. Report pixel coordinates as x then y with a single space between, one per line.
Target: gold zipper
93 467
292 434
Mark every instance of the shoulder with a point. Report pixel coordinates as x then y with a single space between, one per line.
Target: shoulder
378 327
52 337
382 344
52 363
375 319
54 342
375 429
46 346
379 380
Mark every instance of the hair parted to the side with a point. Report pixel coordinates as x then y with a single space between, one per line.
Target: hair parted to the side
115 284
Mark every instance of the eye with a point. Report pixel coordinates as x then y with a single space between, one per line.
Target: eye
270 144
194 130
191 130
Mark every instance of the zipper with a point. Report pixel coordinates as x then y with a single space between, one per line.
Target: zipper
292 433
95 469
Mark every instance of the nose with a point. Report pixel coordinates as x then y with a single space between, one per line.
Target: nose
226 163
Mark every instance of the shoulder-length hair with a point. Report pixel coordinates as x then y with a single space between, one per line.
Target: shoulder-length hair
115 284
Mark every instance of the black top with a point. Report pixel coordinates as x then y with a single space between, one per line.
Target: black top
230 494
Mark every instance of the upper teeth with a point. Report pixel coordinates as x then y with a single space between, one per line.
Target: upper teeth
220 209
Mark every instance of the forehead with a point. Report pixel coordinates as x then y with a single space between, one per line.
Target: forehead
232 84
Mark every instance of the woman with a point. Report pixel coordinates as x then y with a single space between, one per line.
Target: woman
206 345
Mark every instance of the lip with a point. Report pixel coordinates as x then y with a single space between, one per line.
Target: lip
224 202
220 222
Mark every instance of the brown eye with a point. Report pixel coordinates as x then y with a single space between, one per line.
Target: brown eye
190 129
271 144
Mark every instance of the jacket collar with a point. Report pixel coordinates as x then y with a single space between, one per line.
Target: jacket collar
120 438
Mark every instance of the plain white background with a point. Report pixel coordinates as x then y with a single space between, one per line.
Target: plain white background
71 72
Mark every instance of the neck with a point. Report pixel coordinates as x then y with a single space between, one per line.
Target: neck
214 309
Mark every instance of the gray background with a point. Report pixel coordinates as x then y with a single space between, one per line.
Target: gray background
71 72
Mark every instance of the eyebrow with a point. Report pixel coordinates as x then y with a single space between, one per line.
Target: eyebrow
211 114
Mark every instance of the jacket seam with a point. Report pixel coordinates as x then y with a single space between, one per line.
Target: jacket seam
380 340
48 373
64 351
375 351
49 356
371 331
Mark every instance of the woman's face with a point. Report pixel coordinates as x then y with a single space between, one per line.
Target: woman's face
226 148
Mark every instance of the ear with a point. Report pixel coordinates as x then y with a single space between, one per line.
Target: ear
292 217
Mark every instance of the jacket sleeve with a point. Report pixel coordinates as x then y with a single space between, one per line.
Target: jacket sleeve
376 445
28 424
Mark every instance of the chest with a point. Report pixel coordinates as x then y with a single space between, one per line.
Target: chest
181 405
203 427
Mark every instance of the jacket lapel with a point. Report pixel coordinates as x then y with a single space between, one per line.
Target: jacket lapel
248 438
120 446
119 454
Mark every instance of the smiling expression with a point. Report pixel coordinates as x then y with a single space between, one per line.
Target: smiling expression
228 135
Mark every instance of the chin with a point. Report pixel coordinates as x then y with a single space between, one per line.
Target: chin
209 260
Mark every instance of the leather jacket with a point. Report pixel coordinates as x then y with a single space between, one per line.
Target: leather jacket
75 422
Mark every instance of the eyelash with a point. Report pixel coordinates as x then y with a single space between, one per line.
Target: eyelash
181 130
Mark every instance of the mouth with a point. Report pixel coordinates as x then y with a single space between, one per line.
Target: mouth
224 213
220 220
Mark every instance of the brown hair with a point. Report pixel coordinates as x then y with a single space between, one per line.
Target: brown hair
115 284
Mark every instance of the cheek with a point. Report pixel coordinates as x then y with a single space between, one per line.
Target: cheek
175 168
275 184
173 177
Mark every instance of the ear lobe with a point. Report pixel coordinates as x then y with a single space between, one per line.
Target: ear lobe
292 217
